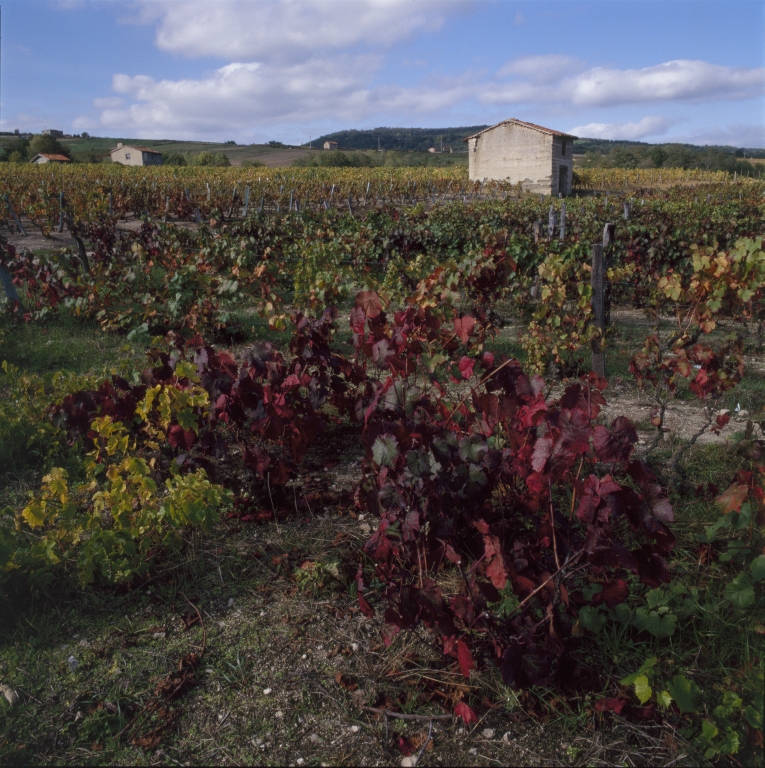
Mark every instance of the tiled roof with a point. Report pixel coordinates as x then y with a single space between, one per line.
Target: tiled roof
515 121
140 149
59 158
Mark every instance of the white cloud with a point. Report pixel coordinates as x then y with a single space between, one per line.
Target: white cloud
244 95
292 61
653 125
680 80
545 79
289 30
300 62
549 68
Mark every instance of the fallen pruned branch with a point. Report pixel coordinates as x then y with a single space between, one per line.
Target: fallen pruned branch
402 716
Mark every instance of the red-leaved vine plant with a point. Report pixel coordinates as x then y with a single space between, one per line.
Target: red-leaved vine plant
496 502
523 496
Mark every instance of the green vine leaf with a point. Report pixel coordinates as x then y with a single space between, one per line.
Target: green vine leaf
685 692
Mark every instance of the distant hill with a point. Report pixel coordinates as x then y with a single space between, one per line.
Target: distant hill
402 139
604 146
421 139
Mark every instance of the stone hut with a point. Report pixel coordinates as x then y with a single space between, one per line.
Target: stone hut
124 154
330 145
41 158
541 159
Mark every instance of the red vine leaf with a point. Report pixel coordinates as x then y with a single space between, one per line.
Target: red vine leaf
465 658
463 327
615 592
610 705
369 303
466 367
731 499
463 710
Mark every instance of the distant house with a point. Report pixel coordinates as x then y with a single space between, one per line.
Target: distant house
125 154
43 158
541 159
54 134
433 150
330 145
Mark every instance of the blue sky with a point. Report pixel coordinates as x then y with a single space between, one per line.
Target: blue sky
255 70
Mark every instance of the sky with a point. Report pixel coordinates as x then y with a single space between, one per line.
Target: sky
291 70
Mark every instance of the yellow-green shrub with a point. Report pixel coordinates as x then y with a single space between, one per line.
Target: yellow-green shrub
110 526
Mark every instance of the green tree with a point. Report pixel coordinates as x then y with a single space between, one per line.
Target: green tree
624 158
20 146
658 157
174 158
217 159
46 145
679 156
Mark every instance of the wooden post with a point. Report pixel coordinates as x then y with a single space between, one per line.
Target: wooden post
626 210
292 195
61 211
10 288
552 221
537 231
534 292
246 200
350 205
609 238
598 309
562 234
233 203
15 217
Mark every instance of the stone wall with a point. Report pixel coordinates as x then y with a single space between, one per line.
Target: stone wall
515 153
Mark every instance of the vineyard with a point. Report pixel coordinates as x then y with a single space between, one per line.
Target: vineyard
398 450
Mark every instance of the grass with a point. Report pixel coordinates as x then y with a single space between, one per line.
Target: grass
267 689
65 344
268 626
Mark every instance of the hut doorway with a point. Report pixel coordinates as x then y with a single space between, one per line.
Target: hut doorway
563 180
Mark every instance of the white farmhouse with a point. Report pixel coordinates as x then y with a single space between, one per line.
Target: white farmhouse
541 159
124 154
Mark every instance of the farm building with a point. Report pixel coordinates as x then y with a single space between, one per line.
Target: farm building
541 159
124 154
41 158
330 145
53 133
